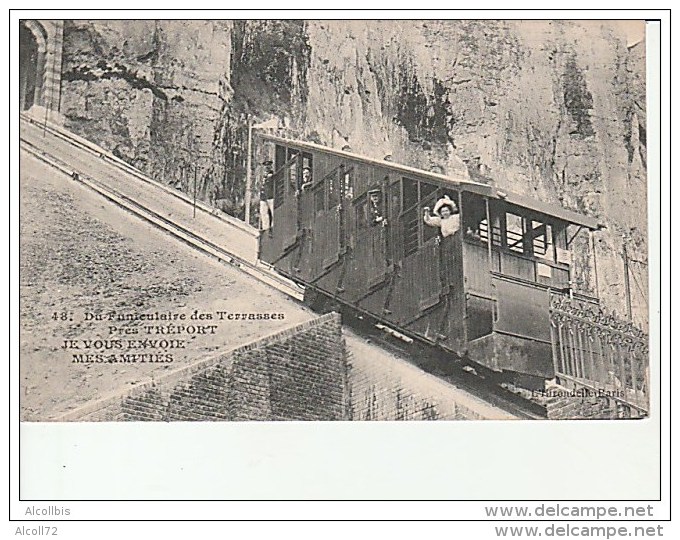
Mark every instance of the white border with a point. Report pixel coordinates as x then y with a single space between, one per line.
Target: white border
467 460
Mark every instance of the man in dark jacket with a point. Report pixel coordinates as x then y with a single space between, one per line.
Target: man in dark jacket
375 213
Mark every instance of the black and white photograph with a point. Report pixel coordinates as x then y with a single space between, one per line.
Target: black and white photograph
347 265
351 220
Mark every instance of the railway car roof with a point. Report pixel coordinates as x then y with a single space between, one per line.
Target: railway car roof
461 183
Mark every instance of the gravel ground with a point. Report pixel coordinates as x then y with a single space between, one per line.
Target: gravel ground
81 254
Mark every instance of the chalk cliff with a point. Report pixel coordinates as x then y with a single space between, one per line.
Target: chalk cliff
554 110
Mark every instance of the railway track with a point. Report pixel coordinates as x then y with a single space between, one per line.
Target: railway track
443 365
109 158
260 272
420 355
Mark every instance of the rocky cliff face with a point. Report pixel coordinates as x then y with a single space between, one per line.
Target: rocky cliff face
153 92
553 110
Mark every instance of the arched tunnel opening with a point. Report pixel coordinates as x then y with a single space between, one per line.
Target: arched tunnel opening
28 68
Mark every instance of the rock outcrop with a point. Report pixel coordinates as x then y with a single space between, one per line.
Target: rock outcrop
551 109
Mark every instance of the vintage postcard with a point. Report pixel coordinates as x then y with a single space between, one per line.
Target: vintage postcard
237 220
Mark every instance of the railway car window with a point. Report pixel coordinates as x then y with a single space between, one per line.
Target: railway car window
333 186
279 187
562 254
375 213
475 226
307 172
409 224
306 180
483 230
496 229
394 209
307 161
348 184
541 239
293 165
293 175
361 214
369 210
429 233
395 199
514 232
428 198
427 190
319 201
279 157
409 193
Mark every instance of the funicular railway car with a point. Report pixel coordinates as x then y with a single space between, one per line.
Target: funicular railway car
352 229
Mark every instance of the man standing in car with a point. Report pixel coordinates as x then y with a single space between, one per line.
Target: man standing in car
375 213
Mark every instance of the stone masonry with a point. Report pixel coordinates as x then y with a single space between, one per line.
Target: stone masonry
296 374
305 372
385 387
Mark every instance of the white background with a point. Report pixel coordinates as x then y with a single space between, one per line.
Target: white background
444 460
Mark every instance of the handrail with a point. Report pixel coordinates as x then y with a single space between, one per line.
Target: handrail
591 346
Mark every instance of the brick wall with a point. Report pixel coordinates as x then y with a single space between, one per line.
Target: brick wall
297 374
384 387
307 372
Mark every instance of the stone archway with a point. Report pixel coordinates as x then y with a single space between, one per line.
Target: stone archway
40 53
29 75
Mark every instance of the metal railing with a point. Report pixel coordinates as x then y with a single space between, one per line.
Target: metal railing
599 351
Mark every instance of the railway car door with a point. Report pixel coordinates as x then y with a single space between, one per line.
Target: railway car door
285 202
324 201
370 255
479 260
420 286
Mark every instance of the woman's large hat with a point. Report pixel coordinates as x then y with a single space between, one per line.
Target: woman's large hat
445 201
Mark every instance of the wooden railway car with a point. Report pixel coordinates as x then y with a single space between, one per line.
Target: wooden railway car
353 231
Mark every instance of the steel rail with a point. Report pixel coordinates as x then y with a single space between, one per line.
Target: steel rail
182 233
479 387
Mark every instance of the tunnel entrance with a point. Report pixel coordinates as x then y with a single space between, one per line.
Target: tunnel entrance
29 78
